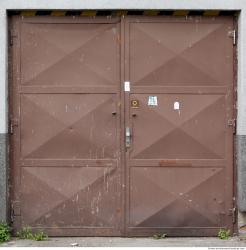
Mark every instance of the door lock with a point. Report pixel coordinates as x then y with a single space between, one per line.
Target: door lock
128 137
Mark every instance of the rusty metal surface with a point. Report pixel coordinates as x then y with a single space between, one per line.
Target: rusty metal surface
180 164
71 173
68 134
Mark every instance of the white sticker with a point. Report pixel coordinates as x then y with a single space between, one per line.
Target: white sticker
127 86
176 106
152 101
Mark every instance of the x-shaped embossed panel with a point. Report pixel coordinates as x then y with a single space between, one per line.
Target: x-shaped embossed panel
68 126
195 131
171 197
61 54
191 54
69 197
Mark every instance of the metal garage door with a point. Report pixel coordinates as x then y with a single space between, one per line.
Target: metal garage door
122 126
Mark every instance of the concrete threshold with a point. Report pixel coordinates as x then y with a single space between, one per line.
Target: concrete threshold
128 242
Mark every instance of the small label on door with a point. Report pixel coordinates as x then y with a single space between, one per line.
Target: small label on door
152 101
176 106
127 86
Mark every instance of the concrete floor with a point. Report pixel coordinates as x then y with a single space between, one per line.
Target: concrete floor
128 242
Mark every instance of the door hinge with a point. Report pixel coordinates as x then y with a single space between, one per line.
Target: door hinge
15 210
233 213
13 123
12 37
233 35
232 123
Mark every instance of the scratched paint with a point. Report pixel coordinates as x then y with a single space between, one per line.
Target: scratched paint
72 172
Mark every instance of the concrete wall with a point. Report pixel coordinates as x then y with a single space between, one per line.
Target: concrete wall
128 4
3 176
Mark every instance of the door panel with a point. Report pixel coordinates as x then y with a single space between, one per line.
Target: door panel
66 162
171 197
52 53
173 52
195 131
180 163
78 126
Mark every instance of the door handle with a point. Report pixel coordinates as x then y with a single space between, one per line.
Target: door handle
128 137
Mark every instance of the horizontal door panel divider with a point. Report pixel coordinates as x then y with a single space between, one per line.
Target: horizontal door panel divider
68 163
68 90
179 90
177 163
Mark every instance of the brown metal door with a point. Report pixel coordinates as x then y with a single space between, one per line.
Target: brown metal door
66 147
180 159
72 171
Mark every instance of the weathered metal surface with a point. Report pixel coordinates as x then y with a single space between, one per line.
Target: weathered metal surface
180 164
67 166
121 125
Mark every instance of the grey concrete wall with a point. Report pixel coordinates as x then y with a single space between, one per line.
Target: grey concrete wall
241 167
241 182
3 176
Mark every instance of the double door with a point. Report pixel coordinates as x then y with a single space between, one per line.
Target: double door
122 126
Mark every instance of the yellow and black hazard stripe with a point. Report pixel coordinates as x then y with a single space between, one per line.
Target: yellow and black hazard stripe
125 13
